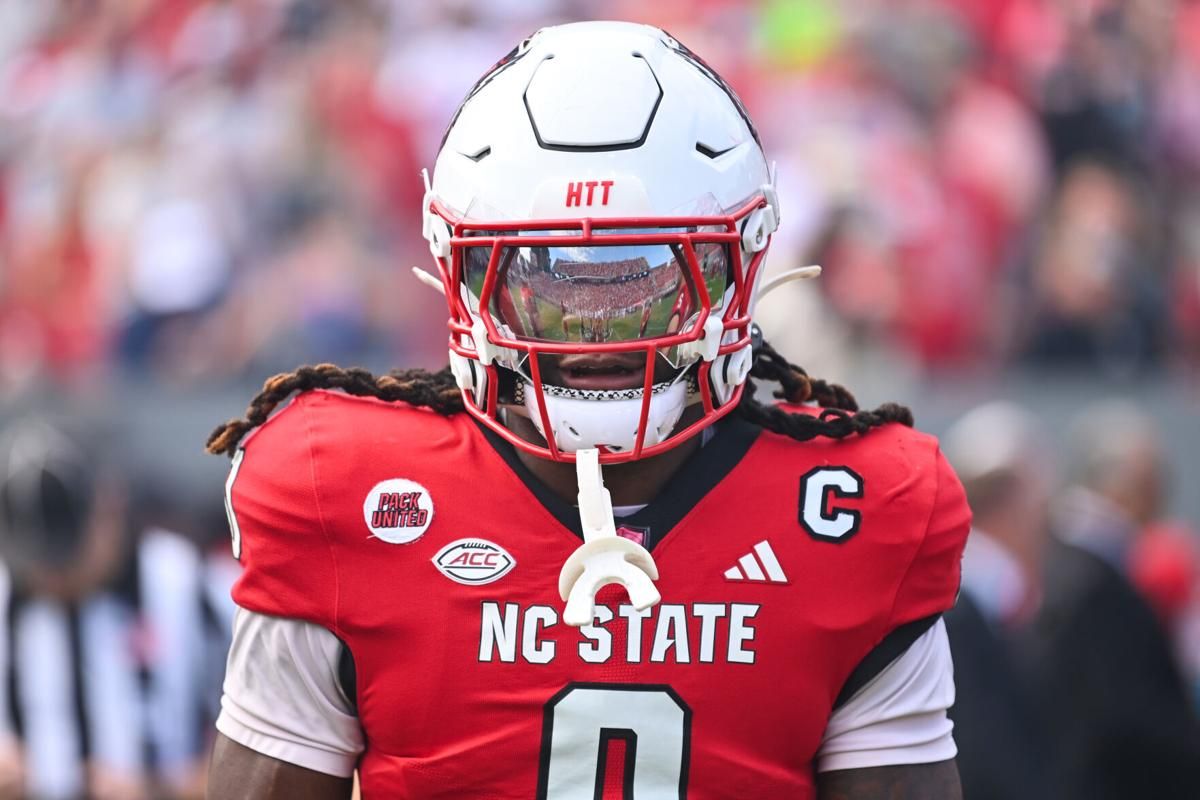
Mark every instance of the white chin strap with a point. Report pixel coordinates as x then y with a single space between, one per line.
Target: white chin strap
604 557
588 419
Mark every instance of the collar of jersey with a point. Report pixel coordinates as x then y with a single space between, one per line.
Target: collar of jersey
690 483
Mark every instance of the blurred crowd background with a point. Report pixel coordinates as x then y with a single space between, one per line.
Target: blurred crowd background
1005 195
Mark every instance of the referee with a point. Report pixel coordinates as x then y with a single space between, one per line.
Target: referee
105 632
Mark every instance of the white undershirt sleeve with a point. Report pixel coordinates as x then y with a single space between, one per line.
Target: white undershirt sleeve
282 697
899 717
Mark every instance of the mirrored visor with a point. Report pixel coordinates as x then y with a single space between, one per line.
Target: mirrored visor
597 293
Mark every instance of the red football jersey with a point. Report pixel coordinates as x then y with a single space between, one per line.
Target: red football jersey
426 547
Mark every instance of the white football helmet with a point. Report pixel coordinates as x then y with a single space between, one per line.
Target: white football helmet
599 213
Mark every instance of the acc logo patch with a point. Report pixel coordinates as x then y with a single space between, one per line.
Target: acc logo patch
473 562
398 511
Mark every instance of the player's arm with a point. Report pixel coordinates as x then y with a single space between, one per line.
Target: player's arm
905 782
288 723
239 772
286 719
889 735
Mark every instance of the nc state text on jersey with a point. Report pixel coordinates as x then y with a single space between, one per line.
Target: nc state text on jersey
399 510
700 633
576 196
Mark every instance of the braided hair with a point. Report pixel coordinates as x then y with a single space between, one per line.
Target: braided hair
840 416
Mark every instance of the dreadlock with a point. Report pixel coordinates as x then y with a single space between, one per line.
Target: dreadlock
418 387
438 391
839 417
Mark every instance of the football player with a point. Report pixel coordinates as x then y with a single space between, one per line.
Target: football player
582 561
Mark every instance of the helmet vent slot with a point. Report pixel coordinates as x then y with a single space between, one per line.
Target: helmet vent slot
709 152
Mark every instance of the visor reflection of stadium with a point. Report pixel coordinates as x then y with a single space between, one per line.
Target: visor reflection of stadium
597 293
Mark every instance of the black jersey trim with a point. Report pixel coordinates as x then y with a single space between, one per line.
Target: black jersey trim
698 476
894 645
347 675
566 515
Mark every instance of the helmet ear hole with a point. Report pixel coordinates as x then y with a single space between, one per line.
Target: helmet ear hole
481 382
762 222
732 373
471 377
438 234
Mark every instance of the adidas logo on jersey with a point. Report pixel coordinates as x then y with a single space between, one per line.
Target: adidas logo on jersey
763 569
